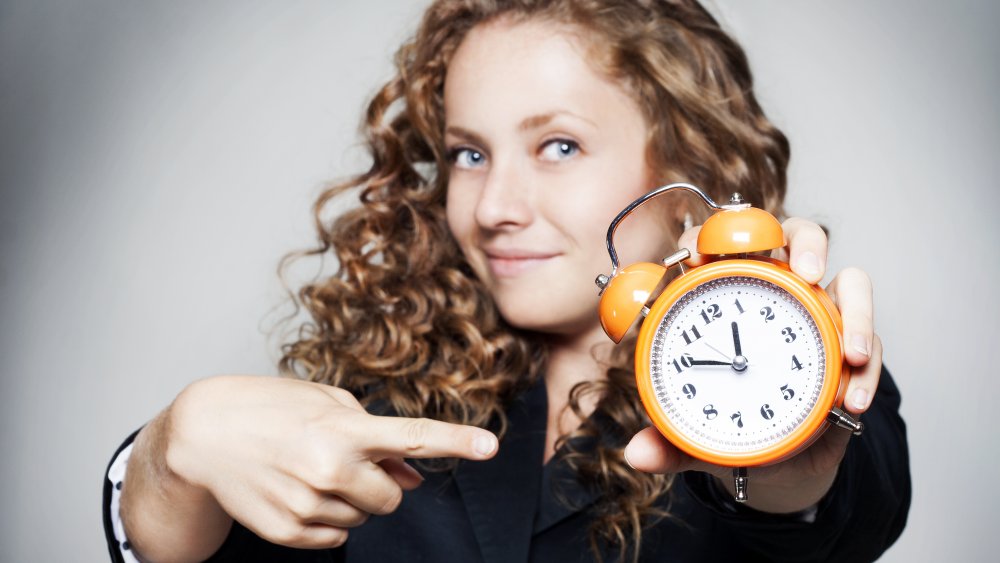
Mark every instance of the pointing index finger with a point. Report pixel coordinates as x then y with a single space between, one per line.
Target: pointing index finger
392 436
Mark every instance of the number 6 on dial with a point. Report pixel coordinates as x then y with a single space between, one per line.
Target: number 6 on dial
780 373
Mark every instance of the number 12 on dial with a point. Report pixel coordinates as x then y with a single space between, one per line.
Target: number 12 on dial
739 361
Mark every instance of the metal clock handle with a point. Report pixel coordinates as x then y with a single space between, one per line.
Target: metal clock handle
838 417
635 205
740 481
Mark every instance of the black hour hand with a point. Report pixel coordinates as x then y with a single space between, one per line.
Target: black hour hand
709 363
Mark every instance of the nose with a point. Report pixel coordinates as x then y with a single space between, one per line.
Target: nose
505 200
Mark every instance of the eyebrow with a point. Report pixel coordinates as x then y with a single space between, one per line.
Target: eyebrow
466 135
542 119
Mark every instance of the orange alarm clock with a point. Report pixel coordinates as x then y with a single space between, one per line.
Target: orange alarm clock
739 362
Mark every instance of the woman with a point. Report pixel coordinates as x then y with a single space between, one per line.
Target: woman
464 309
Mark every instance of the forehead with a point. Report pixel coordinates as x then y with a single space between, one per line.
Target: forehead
531 67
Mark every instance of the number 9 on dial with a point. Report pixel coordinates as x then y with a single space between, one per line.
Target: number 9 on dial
739 361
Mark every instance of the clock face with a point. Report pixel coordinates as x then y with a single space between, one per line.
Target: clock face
737 364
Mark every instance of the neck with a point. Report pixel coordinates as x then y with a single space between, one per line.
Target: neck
576 358
572 360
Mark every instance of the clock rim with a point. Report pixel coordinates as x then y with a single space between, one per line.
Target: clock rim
817 304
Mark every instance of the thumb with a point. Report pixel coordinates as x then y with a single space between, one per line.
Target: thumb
650 452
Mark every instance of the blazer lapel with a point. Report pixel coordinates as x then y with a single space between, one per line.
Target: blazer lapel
501 494
562 494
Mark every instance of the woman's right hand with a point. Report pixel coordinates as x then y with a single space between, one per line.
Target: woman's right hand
298 463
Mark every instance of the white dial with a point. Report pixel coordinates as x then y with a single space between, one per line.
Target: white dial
737 364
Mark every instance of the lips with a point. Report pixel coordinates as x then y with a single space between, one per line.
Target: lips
512 262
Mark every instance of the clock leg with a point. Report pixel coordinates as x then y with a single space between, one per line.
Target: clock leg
840 418
741 480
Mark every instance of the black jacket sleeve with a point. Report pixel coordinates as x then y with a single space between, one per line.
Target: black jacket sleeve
862 515
241 545
114 548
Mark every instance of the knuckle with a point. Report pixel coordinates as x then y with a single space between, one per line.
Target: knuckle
689 236
358 519
342 395
859 321
348 516
303 505
392 502
338 537
288 533
332 476
791 224
856 275
415 434
804 229
324 471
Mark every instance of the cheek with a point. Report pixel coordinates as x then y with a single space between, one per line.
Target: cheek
640 236
644 237
648 234
596 192
459 213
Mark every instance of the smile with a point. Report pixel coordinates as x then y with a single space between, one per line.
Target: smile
509 264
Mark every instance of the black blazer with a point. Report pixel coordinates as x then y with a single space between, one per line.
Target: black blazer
508 509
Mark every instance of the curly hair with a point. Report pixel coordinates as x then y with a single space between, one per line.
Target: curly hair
405 323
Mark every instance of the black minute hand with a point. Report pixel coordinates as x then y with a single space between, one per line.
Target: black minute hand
736 339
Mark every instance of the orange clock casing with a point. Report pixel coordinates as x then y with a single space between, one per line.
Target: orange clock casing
623 300
820 307
740 231
728 240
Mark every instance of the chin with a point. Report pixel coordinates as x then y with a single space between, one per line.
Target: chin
548 316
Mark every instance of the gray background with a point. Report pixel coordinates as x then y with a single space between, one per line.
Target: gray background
158 159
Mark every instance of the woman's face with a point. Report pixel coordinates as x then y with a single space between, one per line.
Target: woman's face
545 152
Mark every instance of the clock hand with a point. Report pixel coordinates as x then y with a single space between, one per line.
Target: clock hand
724 355
709 363
740 361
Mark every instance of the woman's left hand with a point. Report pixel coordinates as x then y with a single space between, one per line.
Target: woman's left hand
800 482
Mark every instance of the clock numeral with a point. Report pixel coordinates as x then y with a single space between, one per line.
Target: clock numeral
694 331
710 412
796 364
685 362
786 392
713 312
737 418
689 390
766 411
767 313
788 334
738 306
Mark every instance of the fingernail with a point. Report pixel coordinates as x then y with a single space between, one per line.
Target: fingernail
625 455
860 399
413 471
417 473
860 344
484 445
807 263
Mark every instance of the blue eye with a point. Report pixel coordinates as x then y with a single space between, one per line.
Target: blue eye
467 158
560 149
